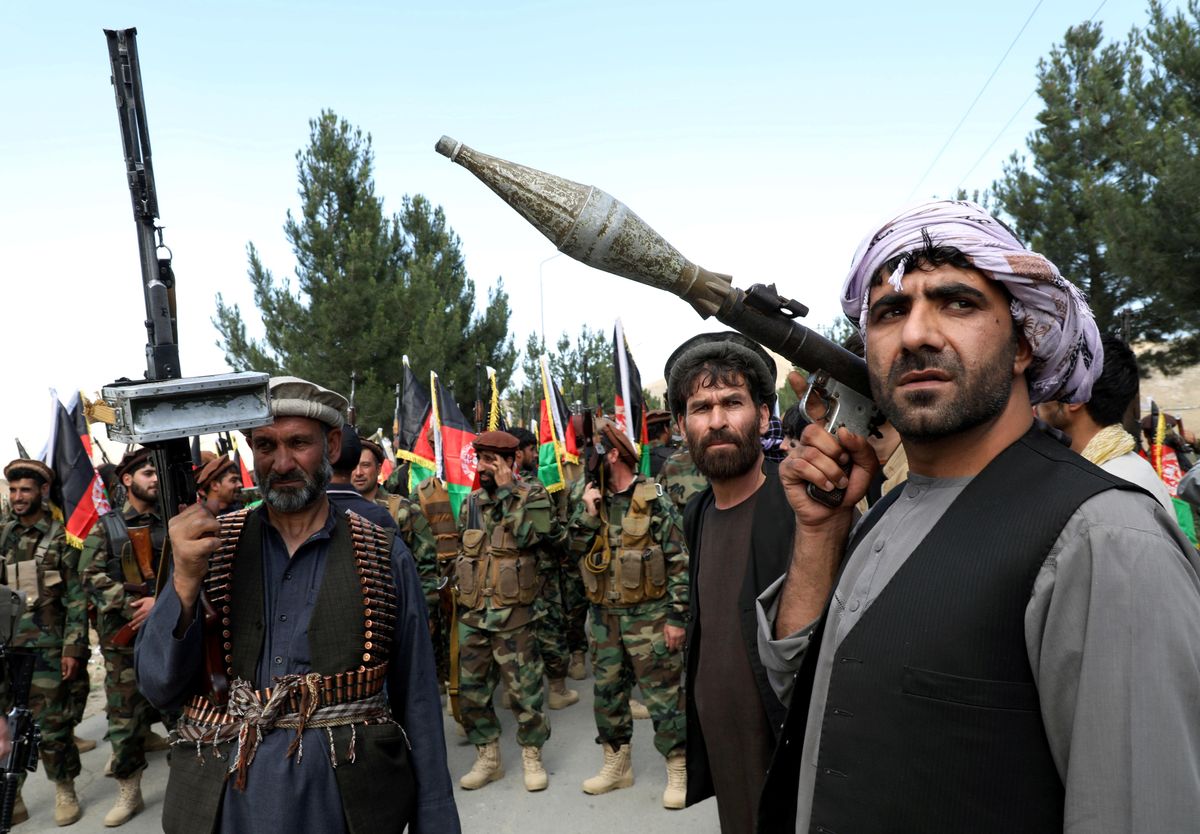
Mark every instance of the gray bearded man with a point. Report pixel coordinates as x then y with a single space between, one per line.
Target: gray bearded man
325 609
1011 640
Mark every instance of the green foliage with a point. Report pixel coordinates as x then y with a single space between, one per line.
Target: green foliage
582 368
1110 189
370 288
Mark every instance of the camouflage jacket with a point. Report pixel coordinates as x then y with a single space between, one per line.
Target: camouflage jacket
103 582
535 527
680 478
416 533
39 561
666 528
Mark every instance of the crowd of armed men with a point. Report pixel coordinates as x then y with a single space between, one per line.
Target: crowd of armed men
984 617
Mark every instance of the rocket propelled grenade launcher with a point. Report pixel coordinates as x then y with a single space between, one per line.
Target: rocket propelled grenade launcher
599 230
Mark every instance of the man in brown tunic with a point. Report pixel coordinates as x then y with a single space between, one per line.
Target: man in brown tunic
721 389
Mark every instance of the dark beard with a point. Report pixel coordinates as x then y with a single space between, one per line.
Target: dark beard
143 495
35 507
929 415
724 464
488 482
294 499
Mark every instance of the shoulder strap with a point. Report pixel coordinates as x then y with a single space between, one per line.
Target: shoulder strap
474 522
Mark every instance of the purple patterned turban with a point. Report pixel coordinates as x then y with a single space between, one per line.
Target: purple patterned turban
1052 313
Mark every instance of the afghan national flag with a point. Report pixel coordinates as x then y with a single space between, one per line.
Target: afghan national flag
79 420
551 450
456 456
630 407
84 499
247 476
414 429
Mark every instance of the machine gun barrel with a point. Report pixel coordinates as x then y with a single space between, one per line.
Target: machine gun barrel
599 230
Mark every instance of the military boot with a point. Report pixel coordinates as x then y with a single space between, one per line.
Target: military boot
638 710
487 767
561 697
576 670
535 775
66 804
675 795
617 771
129 801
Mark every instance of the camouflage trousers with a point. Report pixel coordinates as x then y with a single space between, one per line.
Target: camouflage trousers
575 609
486 657
628 647
552 630
129 713
55 705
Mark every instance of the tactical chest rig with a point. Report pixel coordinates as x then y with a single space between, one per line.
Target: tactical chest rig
31 575
343 698
490 568
435 505
638 573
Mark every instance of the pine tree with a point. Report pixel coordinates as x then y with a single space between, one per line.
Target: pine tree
369 288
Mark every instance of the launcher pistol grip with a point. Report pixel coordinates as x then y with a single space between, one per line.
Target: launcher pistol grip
837 406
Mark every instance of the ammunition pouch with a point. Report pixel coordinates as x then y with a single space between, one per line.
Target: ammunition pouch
490 567
435 505
637 572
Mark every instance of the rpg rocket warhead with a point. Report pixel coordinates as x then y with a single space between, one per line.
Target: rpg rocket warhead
593 227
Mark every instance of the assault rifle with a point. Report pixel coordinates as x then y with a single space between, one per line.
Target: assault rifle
23 732
167 409
599 230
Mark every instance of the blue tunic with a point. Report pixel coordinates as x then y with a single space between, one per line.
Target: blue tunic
281 793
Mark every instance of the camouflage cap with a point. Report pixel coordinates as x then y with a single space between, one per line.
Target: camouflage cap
730 346
14 471
295 397
133 461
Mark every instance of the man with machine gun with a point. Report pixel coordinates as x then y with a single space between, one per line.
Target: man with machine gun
38 561
627 541
118 565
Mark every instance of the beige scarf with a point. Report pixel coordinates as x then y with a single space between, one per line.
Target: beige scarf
1110 442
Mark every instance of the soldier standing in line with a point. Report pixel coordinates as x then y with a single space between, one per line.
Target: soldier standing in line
552 628
508 531
662 445
628 540
575 603
680 479
38 561
365 477
107 567
219 484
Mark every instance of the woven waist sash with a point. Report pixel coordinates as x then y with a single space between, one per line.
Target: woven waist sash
296 702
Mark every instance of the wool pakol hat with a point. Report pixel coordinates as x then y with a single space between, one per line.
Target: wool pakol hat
500 442
133 461
732 347
43 471
211 471
295 397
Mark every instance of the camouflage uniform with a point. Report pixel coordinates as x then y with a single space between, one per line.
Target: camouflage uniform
39 561
628 645
502 641
680 478
416 533
129 713
575 604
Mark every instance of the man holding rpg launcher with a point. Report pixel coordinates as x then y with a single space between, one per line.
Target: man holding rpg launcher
1010 641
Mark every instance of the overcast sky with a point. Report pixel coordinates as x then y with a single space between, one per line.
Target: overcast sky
762 139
